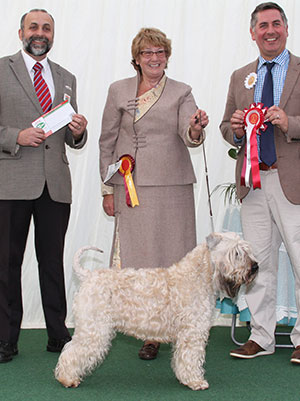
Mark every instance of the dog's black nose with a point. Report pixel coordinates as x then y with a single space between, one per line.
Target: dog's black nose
254 268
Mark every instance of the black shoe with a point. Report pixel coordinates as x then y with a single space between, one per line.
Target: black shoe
7 351
14 349
55 345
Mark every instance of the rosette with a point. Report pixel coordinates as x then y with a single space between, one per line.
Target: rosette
125 170
254 121
250 80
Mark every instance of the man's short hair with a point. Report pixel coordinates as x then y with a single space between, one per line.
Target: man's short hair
33 10
267 6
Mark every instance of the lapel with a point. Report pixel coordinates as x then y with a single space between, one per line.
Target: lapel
252 67
18 66
290 80
149 99
144 109
130 93
58 83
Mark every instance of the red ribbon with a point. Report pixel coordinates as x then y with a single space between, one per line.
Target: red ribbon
254 121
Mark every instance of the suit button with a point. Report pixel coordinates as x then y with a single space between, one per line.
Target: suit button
47 147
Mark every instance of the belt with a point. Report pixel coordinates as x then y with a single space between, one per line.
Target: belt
263 166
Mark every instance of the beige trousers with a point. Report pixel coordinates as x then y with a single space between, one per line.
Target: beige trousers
268 218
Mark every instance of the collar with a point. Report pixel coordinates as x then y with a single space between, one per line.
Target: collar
282 59
30 61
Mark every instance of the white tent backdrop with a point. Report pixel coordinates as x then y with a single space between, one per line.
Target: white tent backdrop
93 38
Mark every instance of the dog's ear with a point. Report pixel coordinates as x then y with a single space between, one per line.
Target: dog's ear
212 240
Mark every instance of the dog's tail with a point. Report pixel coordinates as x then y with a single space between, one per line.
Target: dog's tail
80 271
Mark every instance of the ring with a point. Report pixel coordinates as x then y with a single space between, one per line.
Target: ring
278 116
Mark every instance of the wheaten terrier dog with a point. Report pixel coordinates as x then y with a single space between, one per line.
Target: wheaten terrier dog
172 305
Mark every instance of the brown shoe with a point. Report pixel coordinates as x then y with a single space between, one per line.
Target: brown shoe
295 358
149 351
250 350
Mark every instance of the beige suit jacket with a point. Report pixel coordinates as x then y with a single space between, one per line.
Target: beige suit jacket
287 146
24 170
158 140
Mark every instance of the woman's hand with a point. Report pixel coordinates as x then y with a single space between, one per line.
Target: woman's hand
198 122
108 204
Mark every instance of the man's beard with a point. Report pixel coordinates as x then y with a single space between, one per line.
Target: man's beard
37 50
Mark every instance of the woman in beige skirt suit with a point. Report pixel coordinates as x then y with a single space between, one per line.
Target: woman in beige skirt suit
150 120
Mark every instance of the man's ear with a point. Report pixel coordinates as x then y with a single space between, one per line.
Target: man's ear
20 32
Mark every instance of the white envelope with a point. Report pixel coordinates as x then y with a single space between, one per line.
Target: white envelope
56 118
112 169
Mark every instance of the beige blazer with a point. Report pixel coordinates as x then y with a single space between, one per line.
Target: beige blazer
158 140
287 146
24 170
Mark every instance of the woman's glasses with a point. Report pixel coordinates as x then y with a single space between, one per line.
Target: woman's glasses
149 53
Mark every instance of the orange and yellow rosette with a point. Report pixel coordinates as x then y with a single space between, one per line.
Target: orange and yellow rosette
125 170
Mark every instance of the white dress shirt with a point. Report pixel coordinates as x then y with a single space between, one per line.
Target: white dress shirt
46 71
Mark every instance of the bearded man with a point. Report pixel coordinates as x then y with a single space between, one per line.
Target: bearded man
35 179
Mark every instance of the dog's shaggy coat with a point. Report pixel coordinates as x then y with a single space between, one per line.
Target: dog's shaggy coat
165 305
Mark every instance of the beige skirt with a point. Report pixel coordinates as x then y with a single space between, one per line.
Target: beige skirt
158 232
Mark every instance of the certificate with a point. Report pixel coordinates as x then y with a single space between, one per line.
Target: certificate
112 169
56 118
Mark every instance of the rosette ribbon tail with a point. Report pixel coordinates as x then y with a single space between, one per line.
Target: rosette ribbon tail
254 120
131 195
251 160
254 160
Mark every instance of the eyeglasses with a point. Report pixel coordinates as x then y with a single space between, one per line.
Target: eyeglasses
149 53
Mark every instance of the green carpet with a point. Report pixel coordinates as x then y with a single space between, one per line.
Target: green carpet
124 377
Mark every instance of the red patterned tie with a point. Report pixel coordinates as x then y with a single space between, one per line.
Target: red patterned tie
41 88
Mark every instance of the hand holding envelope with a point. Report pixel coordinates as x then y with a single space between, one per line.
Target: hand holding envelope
55 119
78 126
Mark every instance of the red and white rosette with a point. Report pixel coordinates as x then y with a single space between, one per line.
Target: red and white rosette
254 122
125 170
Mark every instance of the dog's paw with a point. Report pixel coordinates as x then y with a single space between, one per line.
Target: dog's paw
198 385
69 383
74 384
